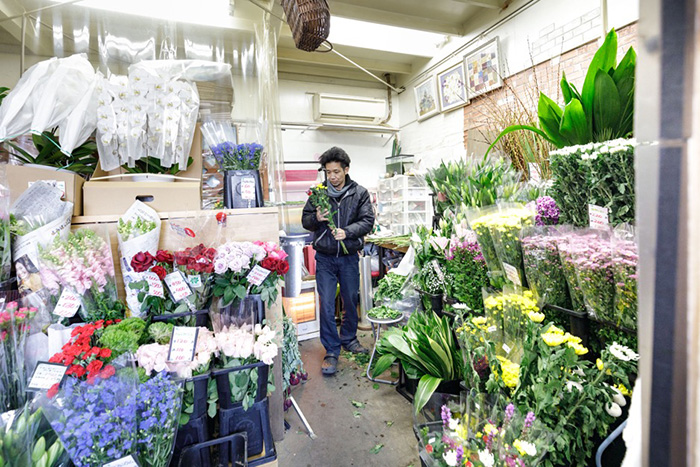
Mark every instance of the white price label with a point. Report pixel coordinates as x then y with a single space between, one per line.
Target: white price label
127 461
183 343
46 375
506 347
195 281
68 304
155 286
492 329
178 286
248 188
534 170
257 275
61 185
598 217
512 273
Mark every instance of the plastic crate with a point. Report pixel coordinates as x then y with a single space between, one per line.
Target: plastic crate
410 194
201 318
384 207
414 205
412 218
231 449
200 383
224 388
384 218
255 422
195 431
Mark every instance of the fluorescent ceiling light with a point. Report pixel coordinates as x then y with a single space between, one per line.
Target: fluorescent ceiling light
367 35
216 13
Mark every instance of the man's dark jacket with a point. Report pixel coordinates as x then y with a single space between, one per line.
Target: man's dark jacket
352 212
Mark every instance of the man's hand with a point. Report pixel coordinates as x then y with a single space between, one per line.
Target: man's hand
339 234
321 216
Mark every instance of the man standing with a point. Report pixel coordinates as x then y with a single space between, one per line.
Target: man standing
354 218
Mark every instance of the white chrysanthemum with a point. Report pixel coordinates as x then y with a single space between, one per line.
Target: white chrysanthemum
570 385
623 353
486 458
453 424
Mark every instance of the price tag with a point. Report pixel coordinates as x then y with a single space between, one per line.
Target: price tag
248 188
598 217
512 274
195 281
127 461
257 275
534 170
492 329
155 286
183 343
68 304
178 286
506 347
46 375
8 417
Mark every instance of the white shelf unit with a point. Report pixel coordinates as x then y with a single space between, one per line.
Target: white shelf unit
404 202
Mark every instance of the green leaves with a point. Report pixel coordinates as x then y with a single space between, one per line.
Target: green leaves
426 387
606 103
574 126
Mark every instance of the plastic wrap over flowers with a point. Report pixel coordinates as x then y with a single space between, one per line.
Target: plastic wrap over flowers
625 263
14 329
543 267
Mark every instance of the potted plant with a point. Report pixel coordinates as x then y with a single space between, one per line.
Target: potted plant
149 169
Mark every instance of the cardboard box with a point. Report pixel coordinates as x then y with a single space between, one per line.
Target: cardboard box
20 177
114 196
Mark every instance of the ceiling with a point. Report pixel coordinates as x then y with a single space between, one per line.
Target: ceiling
447 18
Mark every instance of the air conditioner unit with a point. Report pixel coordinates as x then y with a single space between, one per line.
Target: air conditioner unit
349 108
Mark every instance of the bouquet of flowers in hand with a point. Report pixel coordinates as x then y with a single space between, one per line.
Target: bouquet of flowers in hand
83 264
159 403
14 329
96 421
198 265
318 195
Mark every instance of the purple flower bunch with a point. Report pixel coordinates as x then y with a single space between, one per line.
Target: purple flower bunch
237 156
159 403
547 211
543 267
592 260
96 422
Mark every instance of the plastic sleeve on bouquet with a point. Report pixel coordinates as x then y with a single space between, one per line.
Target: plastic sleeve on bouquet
5 231
505 232
591 252
543 267
625 263
568 262
478 221
16 324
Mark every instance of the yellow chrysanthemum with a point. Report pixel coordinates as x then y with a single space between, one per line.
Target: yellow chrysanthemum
555 330
490 429
552 339
625 392
479 320
571 338
535 316
599 364
511 372
578 348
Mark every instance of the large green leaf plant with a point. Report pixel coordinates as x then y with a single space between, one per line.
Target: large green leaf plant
603 110
82 160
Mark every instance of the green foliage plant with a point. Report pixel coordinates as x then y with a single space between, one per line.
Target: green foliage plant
82 160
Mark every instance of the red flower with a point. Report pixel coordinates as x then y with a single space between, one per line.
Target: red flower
56 358
269 264
160 271
105 353
76 370
210 253
221 217
180 258
53 390
142 261
164 256
107 372
94 366
282 267
95 351
429 448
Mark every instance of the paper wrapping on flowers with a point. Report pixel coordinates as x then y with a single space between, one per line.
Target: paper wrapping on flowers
625 261
138 231
82 266
543 267
96 420
41 217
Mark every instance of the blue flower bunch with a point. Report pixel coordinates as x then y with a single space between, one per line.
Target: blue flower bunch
96 421
237 156
159 403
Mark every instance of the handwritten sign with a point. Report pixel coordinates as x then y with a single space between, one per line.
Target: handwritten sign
46 375
68 304
178 286
61 185
195 281
598 217
183 343
248 188
512 273
257 275
155 286
127 461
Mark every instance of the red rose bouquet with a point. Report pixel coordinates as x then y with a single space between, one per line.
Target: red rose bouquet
276 263
197 264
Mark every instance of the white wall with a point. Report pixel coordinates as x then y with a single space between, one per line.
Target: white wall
366 150
546 28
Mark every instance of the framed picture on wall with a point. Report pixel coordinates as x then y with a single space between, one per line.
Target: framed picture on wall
426 98
483 69
452 89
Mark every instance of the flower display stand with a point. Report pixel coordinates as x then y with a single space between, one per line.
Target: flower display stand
194 432
233 447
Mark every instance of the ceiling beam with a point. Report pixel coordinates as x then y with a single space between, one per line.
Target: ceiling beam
392 18
493 4
329 59
330 72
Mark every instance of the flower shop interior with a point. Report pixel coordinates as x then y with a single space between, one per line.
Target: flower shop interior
525 286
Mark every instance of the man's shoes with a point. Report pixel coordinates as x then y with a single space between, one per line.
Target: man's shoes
329 365
355 347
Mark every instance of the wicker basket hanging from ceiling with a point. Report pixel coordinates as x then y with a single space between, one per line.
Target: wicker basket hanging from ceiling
309 20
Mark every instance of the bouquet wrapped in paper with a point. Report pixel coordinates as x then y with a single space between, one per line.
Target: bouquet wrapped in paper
82 265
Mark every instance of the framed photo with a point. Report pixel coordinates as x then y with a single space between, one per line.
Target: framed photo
426 99
452 89
483 69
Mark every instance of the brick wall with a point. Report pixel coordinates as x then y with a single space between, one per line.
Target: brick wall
545 76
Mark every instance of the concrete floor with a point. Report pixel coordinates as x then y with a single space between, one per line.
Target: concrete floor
346 434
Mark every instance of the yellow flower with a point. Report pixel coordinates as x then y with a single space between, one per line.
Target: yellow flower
624 390
555 330
525 448
553 340
599 364
573 339
490 429
479 320
511 372
578 348
535 316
